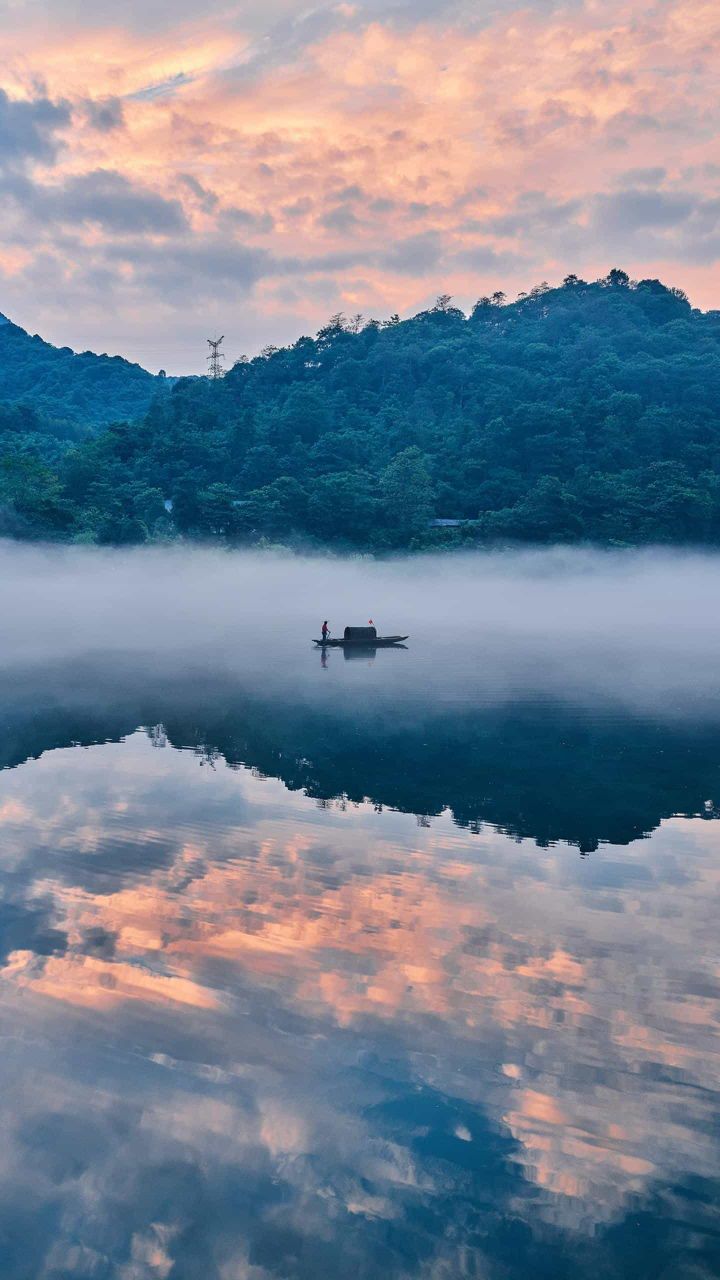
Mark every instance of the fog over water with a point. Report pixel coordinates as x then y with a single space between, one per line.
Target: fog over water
637 629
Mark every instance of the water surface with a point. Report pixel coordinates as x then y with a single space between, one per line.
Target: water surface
399 967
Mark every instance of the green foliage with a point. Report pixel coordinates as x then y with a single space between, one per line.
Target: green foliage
31 501
66 394
591 411
407 493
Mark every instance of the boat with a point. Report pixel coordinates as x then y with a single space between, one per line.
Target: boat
361 638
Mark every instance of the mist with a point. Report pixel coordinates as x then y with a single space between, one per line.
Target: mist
638 630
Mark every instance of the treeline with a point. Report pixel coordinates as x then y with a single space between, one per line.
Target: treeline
591 411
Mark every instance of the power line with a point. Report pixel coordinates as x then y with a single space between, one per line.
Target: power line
214 359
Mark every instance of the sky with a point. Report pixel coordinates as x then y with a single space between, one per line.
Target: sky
251 169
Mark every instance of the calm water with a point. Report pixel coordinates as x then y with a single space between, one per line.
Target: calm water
404 966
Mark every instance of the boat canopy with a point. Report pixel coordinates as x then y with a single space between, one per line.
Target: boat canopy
361 633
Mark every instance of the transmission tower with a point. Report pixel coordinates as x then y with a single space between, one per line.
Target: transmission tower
216 356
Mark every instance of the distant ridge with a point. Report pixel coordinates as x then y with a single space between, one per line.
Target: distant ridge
69 393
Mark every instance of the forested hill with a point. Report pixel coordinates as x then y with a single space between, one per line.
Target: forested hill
588 411
55 392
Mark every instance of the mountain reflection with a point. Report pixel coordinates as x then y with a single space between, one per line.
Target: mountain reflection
254 1031
533 768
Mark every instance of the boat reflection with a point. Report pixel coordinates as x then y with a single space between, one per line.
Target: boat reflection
357 652
368 652
361 653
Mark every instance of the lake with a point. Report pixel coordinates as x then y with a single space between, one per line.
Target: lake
403 964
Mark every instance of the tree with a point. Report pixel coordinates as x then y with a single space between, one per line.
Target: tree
186 506
278 508
148 505
336 325
305 416
260 467
617 279
219 511
31 498
407 493
343 507
547 512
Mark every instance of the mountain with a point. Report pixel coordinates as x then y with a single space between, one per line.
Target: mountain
591 411
56 392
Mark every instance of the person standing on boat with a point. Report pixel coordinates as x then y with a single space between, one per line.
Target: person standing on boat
325 631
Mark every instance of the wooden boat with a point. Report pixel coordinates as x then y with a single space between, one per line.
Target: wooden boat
361 637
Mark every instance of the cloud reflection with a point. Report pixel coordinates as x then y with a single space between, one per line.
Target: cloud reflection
353 1008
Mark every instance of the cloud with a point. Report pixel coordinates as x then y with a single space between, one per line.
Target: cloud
28 129
533 213
641 221
298 208
629 211
342 218
102 197
527 128
650 176
415 255
353 192
163 89
117 204
105 115
484 257
681 225
194 267
207 199
235 217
